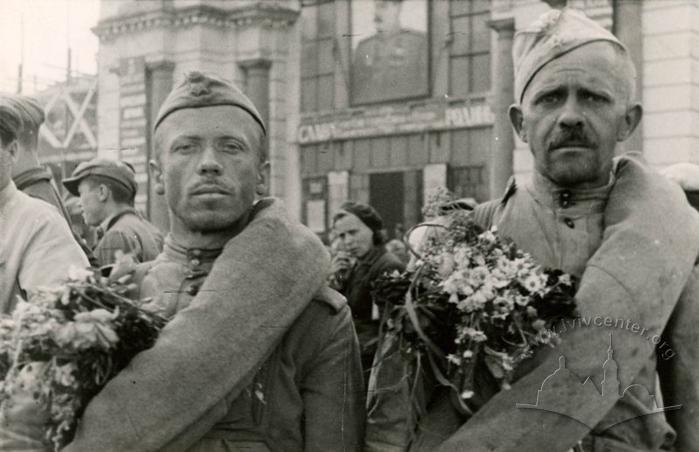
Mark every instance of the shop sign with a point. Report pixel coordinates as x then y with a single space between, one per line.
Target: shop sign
390 121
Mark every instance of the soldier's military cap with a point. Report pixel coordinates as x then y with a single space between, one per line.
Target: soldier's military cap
120 172
200 90
30 113
554 34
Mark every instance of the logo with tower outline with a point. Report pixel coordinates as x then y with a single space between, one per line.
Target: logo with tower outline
610 387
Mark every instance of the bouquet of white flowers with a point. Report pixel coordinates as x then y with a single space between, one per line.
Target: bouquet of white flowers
473 303
64 344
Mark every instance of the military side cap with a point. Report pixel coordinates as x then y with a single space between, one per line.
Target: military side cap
30 112
115 170
200 90
554 34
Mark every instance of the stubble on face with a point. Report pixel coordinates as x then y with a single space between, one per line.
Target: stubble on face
210 165
572 113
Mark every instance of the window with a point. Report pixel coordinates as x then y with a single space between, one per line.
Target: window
469 69
318 55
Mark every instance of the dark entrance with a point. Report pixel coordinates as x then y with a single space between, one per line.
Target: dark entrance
397 196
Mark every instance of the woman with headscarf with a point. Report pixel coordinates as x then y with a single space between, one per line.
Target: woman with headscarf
363 258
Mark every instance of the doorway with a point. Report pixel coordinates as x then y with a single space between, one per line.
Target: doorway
397 197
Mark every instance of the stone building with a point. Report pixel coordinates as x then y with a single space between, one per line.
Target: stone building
356 111
145 47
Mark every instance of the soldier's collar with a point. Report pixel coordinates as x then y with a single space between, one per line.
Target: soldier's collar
31 176
180 252
108 222
552 195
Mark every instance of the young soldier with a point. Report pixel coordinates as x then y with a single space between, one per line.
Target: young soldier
251 359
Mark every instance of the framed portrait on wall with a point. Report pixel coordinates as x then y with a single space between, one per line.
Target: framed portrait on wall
390 50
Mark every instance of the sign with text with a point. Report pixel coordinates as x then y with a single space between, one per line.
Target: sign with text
394 121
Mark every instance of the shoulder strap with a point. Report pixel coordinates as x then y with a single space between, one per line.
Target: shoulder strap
117 217
484 213
335 300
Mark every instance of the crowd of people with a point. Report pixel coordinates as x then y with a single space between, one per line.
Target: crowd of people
272 340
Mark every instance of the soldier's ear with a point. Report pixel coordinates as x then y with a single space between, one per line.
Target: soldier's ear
13 150
632 117
157 174
262 185
517 121
103 192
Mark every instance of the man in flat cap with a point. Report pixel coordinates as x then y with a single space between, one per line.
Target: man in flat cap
625 231
36 245
252 359
107 189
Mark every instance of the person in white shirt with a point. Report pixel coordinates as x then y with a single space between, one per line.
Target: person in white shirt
37 247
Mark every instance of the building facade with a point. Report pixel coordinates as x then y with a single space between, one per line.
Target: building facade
376 101
146 46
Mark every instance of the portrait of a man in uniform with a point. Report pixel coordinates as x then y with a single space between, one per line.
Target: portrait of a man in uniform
390 51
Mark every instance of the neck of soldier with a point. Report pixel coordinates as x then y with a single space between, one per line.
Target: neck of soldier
601 180
189 238
113 209
27 159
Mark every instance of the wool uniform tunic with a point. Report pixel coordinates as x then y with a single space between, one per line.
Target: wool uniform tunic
130 233
564 229
571 224
308 395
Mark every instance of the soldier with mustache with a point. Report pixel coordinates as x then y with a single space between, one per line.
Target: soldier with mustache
624 230
258 355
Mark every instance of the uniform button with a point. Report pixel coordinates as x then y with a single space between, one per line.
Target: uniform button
193 289
569 223
564 198
194 262
195 252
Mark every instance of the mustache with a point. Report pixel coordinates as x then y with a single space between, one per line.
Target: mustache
571 137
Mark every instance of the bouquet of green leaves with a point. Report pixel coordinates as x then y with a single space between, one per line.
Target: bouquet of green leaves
472 302
72 340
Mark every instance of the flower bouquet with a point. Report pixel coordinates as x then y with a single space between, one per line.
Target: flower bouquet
474 304
65 344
